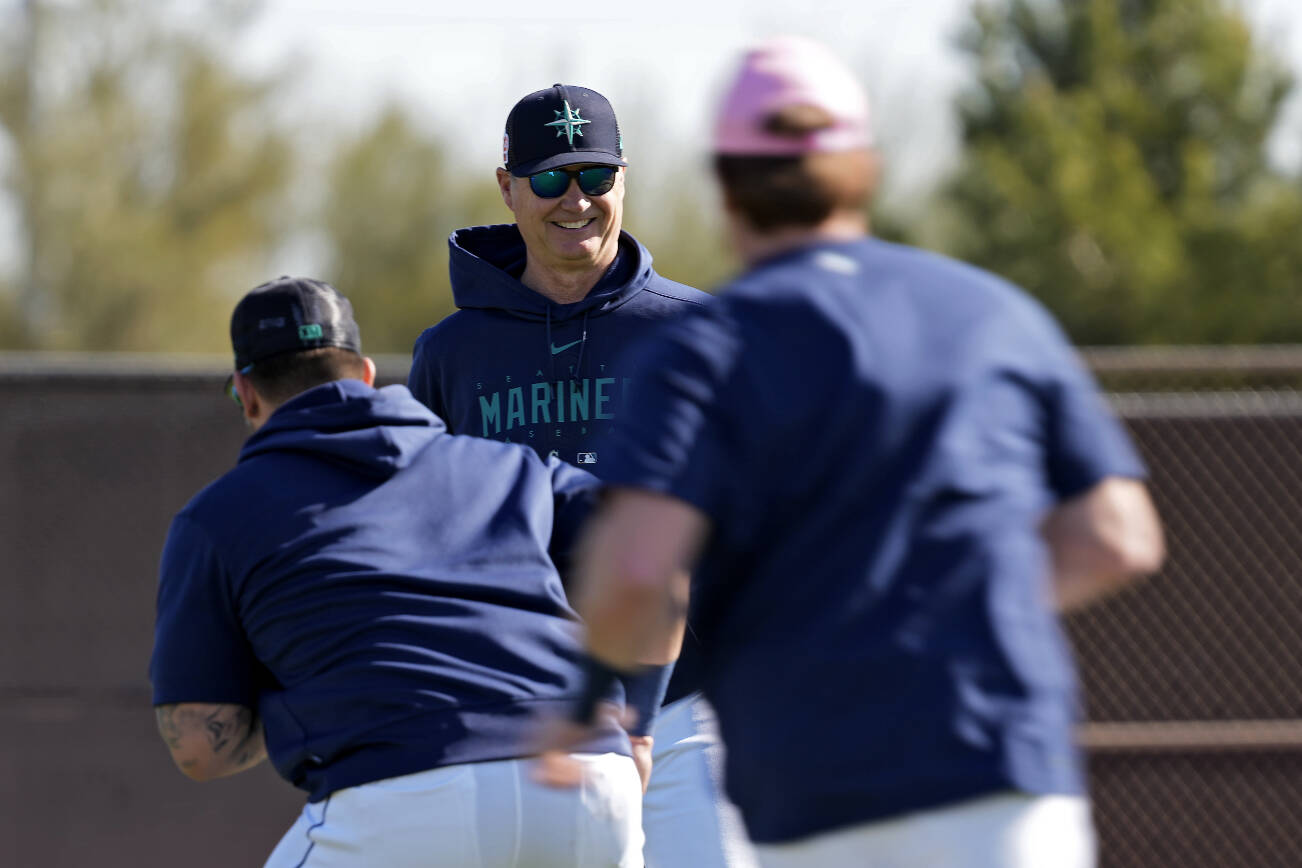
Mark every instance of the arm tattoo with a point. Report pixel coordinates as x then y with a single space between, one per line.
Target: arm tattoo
218 725
232 733
167 725
242 732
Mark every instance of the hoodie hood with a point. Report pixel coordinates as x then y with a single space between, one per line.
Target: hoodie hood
374 432
484 262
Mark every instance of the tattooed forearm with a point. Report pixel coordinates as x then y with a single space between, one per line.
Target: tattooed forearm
167 726
245 740
209 740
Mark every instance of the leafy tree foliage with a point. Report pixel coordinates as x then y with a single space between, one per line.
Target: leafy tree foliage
1115 165
148 177
393 201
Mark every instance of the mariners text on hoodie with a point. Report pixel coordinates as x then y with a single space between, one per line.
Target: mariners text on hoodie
512 365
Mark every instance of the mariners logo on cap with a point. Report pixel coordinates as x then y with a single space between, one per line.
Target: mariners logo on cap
568 124
585 131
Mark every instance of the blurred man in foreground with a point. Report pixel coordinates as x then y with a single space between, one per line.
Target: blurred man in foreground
369 601
889 469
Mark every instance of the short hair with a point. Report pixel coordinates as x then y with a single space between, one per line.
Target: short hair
796 191
281 377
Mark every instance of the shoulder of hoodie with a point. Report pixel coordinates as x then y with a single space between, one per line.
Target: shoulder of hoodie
220 506
230 502
223 503
675 292
959 300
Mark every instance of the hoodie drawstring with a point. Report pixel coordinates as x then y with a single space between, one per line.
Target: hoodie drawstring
551 357
583 345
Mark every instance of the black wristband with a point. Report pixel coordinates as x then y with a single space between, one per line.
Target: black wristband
598 679
644 693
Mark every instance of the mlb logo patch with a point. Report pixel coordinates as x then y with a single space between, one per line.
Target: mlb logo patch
587 458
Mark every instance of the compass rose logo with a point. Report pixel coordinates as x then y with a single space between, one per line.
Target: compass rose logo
569 123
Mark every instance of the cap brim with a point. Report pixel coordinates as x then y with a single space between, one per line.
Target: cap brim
569 158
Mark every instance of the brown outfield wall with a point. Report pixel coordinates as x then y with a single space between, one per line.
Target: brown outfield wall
98 454
1193 681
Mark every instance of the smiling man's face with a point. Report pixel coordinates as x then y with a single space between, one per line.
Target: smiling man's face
572 233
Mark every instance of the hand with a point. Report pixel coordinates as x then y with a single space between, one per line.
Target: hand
556 767
642 745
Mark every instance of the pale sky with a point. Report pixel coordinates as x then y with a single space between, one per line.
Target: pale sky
460 66
661 63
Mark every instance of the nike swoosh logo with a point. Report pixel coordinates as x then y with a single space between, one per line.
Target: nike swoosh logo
556 349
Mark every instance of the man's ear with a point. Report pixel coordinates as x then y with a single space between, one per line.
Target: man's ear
369 375
504 186
248 398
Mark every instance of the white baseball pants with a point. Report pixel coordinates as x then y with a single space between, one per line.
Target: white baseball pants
1004 831
689 822
476 815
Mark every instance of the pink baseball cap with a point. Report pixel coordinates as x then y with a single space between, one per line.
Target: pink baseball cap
783 72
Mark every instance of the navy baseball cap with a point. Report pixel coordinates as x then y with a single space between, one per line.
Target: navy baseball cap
288 315
560 126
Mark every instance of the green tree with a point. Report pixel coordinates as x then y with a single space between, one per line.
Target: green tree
1115 165
149 182
683 231
13 335
393 199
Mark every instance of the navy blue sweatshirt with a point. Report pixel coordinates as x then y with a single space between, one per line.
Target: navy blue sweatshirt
378 589
876 434
512 365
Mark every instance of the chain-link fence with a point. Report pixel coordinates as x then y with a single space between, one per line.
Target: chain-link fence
1193 680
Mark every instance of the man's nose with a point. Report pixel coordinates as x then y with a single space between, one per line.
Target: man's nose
574 198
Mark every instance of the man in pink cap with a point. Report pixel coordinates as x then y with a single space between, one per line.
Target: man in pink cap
885 471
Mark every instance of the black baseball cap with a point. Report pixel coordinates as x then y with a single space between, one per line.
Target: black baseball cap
559 126
288 315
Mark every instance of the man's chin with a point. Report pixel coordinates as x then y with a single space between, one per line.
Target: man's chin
586 253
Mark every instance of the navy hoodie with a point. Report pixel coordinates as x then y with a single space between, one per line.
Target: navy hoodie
378 589
512 365
876 434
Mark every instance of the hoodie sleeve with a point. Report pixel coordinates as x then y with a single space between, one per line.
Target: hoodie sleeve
201 652
1084 439
422 378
